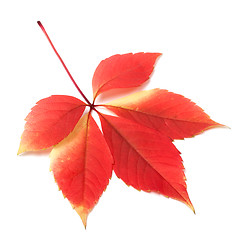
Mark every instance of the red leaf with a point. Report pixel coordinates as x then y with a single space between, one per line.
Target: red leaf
123 71
50 121
82 166
145 159
138 141
167 112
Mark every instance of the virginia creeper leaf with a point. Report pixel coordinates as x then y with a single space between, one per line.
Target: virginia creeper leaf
174 115
50 121
145 159
82 166
136 144
123 71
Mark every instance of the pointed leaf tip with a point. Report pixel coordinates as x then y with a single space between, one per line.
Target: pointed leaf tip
190 205
20 150
83 213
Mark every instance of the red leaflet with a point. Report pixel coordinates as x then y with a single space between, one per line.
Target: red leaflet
145 159
50 121
123 71
82 166
170 113
137 143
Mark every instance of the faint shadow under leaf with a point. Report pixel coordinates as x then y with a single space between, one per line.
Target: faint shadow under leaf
117 93
44 152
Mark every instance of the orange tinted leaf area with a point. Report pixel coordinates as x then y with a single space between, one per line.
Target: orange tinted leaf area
136 143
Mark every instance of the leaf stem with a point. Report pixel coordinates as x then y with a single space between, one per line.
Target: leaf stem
61 60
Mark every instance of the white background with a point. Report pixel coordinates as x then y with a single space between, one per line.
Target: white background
204 46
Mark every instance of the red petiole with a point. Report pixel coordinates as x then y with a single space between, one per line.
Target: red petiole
61 60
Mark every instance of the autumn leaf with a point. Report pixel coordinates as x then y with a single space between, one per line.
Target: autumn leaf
82 166
136 143
145 158
50 121
172 114
123 71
